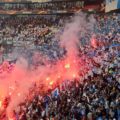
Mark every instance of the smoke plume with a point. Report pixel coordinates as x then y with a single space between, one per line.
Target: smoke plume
17 84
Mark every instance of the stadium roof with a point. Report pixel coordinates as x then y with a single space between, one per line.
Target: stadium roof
98 1
32 0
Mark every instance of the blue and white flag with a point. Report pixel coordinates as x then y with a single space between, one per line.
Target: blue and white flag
55 93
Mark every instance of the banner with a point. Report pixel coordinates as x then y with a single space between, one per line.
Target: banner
118 5
40 0
112 5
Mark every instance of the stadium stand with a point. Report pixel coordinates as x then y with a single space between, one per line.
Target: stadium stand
96 96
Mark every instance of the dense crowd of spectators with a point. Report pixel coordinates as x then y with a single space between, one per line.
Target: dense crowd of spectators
96 96
29 32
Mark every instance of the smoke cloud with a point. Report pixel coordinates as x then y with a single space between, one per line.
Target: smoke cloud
17 84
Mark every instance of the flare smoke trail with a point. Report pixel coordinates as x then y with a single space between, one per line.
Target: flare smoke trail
17 84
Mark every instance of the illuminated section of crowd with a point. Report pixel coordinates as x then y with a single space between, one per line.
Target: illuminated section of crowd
96 96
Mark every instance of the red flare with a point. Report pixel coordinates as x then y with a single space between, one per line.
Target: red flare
51 83
47 78
0 104
11 119
74 75
67 66
18 94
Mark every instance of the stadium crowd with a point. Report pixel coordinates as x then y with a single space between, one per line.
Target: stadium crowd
96 96
29 32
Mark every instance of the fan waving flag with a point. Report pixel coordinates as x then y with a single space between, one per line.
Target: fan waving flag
55 93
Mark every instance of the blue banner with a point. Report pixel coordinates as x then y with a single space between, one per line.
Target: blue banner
118 5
